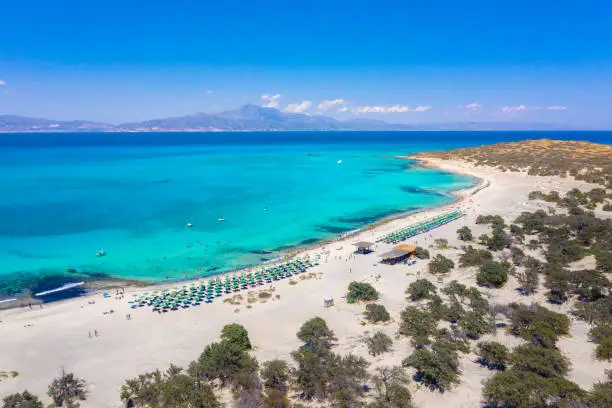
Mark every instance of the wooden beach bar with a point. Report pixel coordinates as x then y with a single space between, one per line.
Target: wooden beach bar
398 254
364 247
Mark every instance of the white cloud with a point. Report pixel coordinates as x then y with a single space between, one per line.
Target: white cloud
328 104
298 107
272 100
556 108
520 108
2 82
210 92
343 109
389 109
471 106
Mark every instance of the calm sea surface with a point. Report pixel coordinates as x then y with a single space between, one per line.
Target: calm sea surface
67 196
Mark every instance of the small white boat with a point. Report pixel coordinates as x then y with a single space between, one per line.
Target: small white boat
100 253
339 162
221 219
265 208
189 225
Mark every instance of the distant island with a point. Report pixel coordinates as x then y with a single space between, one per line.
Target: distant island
253 118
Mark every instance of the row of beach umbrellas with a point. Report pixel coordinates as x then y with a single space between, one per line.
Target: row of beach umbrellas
420 227
205 292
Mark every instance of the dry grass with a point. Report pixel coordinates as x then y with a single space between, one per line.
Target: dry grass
587 161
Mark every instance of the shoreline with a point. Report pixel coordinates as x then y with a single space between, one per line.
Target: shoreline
93 286
37 343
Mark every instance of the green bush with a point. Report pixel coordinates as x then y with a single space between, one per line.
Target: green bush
441 243
171 388
473 257
601 396
465 233
532 222
275 374
224 361
376 313
518 255
492 274
533 244
604 260
495 220
497 241
378 343
436 307
513 388
551 197
493 355
540 334
517 232
68 389
21 400
420 289
440 265
474 324
597 312
528 278
421 253
437 368
391 388
602 336
542 361
417 323
589 285
558 284
358 291
522 317
455 288
237 334
597 195
316 333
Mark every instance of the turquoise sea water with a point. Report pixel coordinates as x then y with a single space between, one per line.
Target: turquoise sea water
65 197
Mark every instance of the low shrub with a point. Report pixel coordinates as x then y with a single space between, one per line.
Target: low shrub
602 336
378 343
437 368
418 324
542 361
358 291
440 265
473 257
493 355
421 253
420 289
376 313
465 233
492 274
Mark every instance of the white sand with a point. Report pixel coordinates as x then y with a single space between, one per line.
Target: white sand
58 337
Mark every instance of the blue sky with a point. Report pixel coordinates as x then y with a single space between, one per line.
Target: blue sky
402 61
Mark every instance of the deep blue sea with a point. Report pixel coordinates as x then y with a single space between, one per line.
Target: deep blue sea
67 196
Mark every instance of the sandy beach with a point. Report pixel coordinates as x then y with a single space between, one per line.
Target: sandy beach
39 342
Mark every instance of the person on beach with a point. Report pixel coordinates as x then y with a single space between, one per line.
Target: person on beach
96 332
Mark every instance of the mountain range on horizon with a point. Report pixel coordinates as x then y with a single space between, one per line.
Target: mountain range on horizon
254 118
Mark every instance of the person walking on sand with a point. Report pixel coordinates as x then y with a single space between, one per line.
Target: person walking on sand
96 332
90 334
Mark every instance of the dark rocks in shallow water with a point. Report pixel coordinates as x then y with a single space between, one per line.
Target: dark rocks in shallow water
333 229
418 190
309 241
261 252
